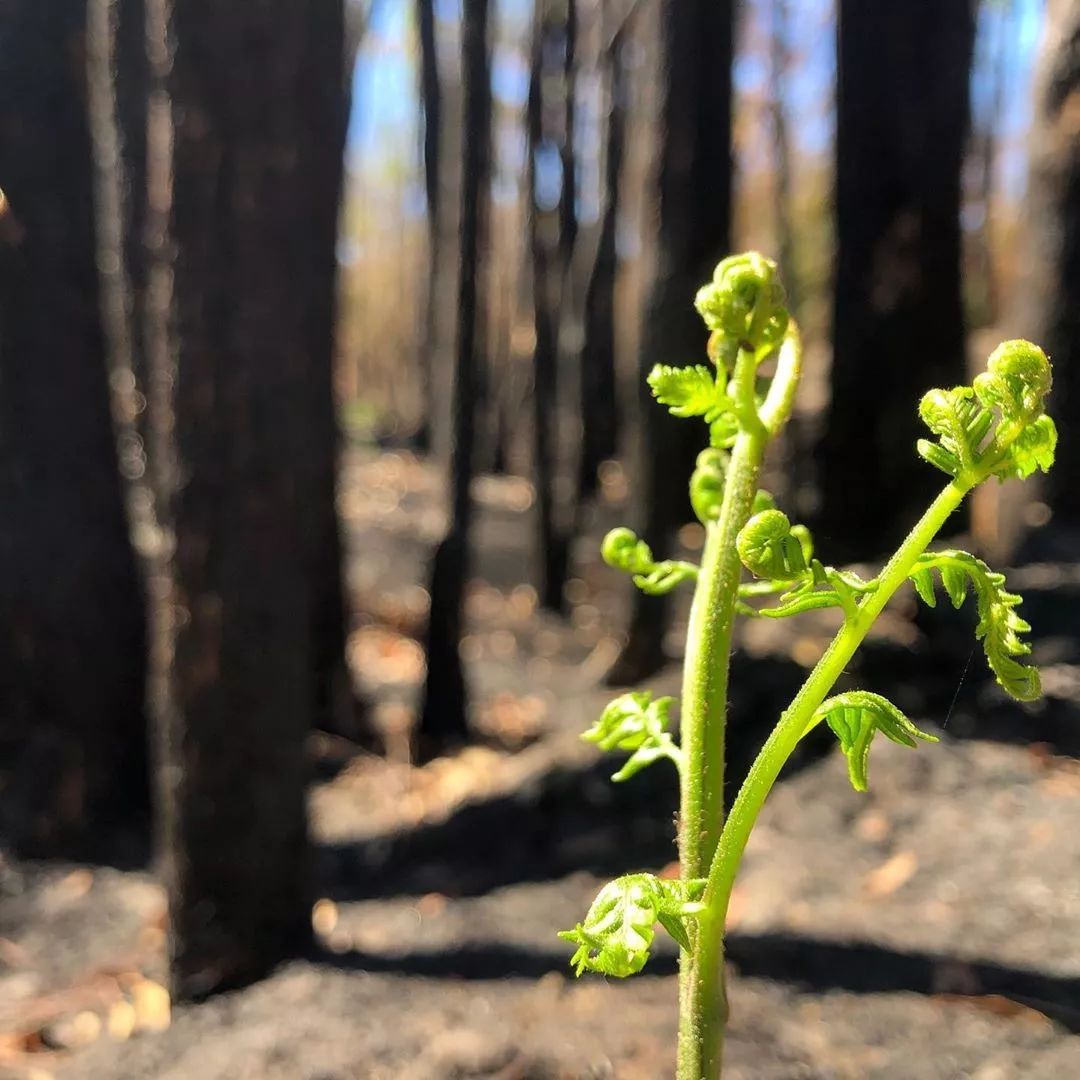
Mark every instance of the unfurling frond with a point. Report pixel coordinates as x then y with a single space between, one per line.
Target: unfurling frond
855 717
637 723
745 305
999 626
624 550
996 426
617 933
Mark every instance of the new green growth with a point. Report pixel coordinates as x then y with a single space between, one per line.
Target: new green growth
755 563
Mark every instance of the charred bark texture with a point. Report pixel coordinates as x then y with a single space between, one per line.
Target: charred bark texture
431 101
245 607
902 116
1055 234
599 389
72 630
443 719
547 234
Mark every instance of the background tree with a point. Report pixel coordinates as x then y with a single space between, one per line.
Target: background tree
692 225
72 632
1054 289
898 303
599 383
443 715
241 456
431 103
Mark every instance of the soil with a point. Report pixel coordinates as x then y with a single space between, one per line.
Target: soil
928 929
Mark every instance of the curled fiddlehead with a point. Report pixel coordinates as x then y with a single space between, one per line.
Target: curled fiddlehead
769 547
745 305
624 550
617 932
781 554
996 426
636 723
999 626
707 484
855 718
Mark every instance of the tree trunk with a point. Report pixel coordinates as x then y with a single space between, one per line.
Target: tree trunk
431 101
779 63
902 117
694 194
1055 235
443 719
241 455
72 632
547 233
599 390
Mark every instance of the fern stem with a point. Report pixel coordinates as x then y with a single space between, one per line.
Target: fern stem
798 719
704 708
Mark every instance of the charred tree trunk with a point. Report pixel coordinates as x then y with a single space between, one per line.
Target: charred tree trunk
431 101
568 219
694 194
239 361
73 736
443 719
1055 232
779 62
898 318
546 235
599 389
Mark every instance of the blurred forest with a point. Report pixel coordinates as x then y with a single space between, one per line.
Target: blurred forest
323 333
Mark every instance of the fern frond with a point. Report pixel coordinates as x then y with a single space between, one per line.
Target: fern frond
999 627
855 717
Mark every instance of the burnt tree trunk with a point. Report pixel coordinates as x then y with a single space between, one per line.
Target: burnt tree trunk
599 389
547 234
694 195
72 734
1055 234
240 302
431 101
443 719
779 65
902 119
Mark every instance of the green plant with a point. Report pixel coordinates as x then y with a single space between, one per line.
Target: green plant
994 428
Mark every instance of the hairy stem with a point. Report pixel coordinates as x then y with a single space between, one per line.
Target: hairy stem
702 995
798 718
704 707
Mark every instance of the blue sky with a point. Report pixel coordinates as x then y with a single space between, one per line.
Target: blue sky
383 133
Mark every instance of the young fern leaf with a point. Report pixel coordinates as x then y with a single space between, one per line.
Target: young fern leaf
637 723
961 423
688 391
996 426
623 550
617 933
745 304
770 547
999 626
855 717
707 484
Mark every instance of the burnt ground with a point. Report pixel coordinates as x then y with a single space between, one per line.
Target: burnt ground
930 928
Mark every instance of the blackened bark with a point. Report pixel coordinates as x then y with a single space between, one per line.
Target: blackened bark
902 118
330 53
1055 234
599 391
240 362
568 222
546 235
779 62
431 100
72 630
443 718
694 195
